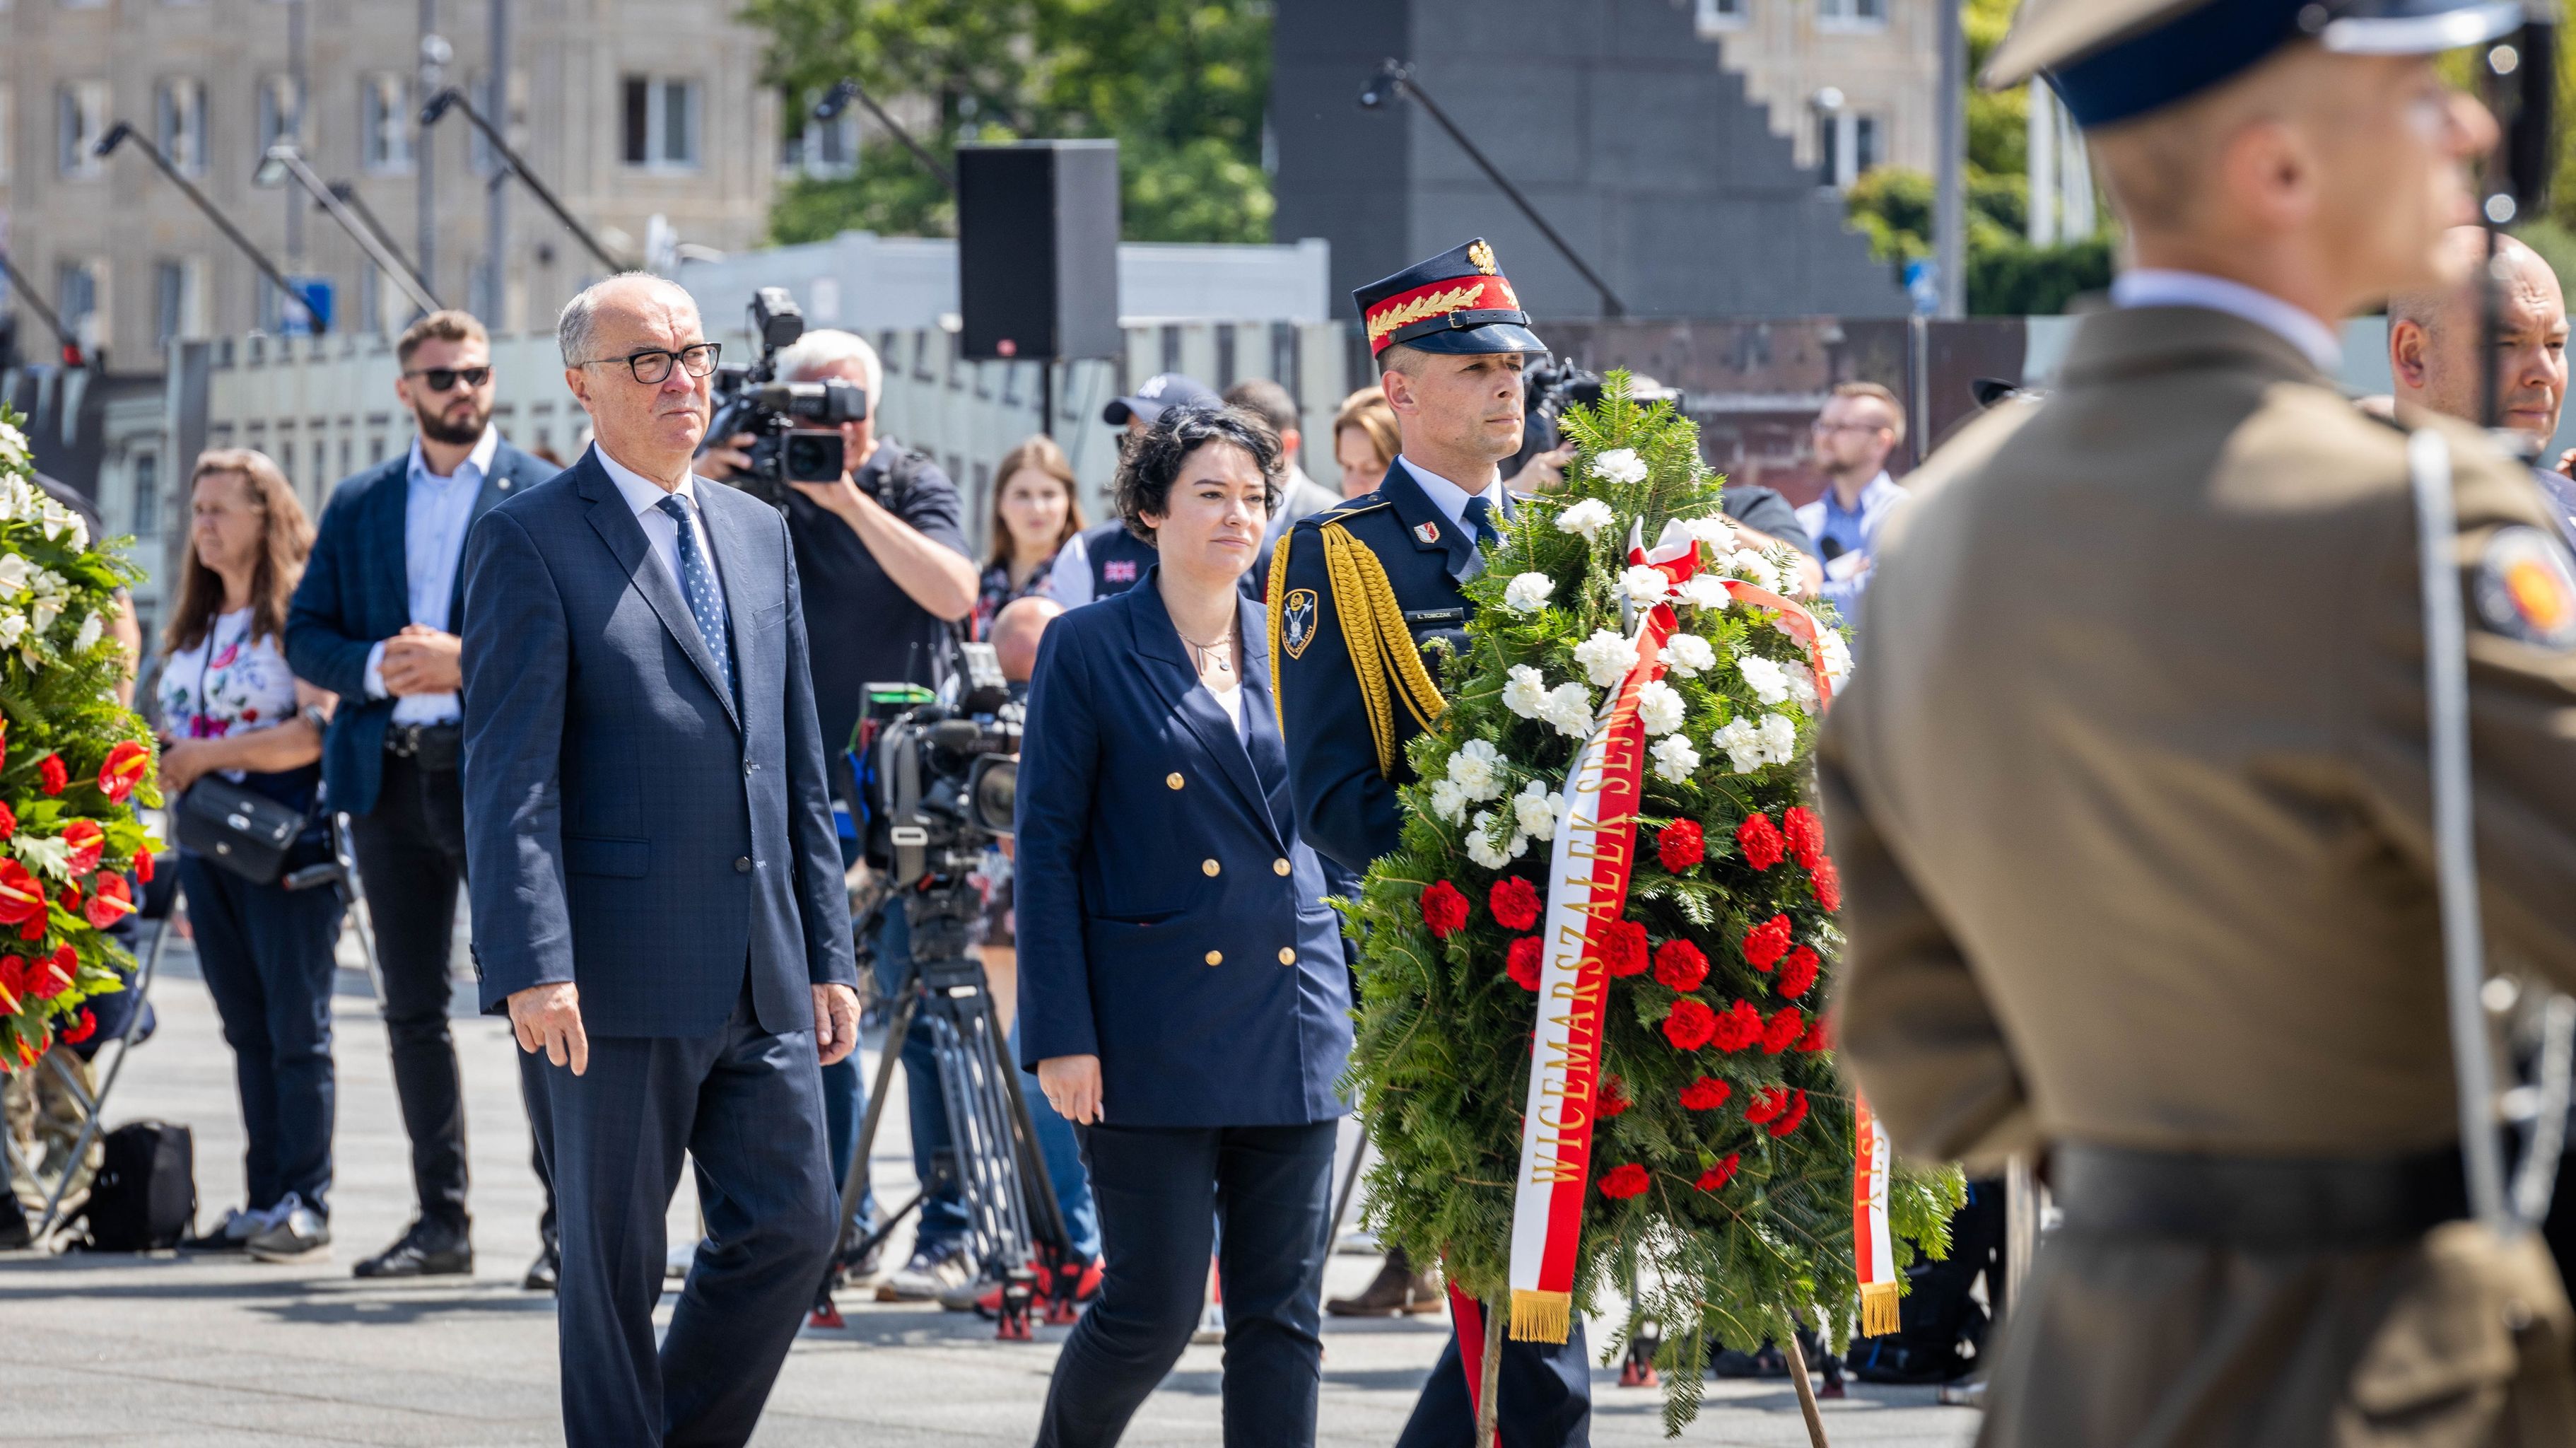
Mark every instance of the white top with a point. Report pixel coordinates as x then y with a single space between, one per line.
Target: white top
645 496
1451 499
2156 287
1230 700
435 512
227 684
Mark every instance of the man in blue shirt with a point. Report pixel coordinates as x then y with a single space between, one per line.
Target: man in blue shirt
1861 425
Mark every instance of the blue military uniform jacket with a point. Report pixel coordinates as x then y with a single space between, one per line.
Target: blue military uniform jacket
1345 762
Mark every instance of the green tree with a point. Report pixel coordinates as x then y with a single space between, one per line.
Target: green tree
1180 87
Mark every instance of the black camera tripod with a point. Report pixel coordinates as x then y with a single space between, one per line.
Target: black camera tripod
1015 1231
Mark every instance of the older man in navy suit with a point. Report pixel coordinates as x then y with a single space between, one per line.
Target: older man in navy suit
374 620
658 900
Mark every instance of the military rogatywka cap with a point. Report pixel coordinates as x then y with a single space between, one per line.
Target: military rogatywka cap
2111 60
1458 301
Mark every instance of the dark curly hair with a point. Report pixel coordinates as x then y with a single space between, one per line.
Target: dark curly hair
1151 460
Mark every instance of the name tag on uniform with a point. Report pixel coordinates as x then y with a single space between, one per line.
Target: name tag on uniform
1422 618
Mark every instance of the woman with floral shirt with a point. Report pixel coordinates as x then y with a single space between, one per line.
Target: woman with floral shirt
1034 511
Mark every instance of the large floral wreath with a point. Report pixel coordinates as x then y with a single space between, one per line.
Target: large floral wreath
1721 1172
72 763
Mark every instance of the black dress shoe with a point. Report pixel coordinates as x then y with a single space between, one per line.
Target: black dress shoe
543 1271
423 1251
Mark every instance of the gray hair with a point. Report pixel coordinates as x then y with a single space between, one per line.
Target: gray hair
832 347
573 326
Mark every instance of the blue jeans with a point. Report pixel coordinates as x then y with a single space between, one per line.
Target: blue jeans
1063 1153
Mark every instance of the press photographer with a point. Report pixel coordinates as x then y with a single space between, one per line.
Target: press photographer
884 571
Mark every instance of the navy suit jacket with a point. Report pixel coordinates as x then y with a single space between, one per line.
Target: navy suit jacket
1170 921
356 591
630 826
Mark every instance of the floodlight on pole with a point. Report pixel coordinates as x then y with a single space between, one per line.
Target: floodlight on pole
453 99
1394 80
120 133
284 160
357 204
71 348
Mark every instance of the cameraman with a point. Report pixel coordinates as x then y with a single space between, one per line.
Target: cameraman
884 571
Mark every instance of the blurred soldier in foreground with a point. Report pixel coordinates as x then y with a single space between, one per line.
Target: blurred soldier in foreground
2130 792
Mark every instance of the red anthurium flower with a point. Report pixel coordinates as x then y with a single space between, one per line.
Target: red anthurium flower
51 976
87 842
1798 972
1828 884
55 776
1514 901
1719 1175
1611 1097
1805 834
70 898
22 896
1624 1181
1523 963
1760 841
14 982
29 1050
1679 964
1739 1027
1783 1031
123 769
1767 942
1623 952
1680 845
110 902
143 866
1705 1094
1690 1025
87 1027
1795 1113
1444 909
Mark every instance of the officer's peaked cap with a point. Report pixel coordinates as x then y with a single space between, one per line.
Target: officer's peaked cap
1458 301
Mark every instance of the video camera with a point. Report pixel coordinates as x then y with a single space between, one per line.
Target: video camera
937 781
1548 389
796 426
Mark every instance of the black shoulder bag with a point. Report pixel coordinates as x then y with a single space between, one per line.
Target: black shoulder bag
232 825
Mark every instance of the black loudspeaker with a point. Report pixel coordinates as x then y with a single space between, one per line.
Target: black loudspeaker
1037 250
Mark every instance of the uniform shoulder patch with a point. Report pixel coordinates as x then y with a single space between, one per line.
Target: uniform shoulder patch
1297 621
2526 588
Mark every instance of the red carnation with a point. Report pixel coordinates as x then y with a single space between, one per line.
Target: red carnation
1515 902
1444 909
1790 1119
1798 972
1705 1094
1806 834
1522 965
1719 1175
87 1027
143 866
1611 1098
1760 840
123 769
1679 964
1783 1031
110 900
87 842
1766 1104
1828 884
1740 1027
1817 1037
1680 845
1624 1181
1690 1025
51 769
1767 942
1623 952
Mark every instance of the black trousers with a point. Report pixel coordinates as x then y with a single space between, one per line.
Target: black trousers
1160 1191
1546 1390
411 860
265 953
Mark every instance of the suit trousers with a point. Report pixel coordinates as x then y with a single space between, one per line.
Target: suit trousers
266 955
411 859
1546 1389
1161 1191
747 1107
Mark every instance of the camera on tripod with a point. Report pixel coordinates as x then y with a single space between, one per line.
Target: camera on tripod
1548 388
795 426
939 780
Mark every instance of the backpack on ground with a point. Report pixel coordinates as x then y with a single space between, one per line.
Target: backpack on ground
145 1196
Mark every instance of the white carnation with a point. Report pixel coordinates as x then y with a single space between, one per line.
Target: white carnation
1645 585
1689 655
90 629
1448 801
1477 769
1765 678
1482 849
1537 809
1525 692
1606 658
1659 707
1569 708
1620 465
1802 685
1588 518
1527 592
1838 659
1741 739
1753 568
1706 590
1713 530
1675 758
1779 738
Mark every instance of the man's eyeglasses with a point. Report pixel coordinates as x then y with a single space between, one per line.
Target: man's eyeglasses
443 379
653 365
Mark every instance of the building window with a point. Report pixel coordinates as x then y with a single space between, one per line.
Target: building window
146 522
821 149
80 118
178 300
280 111
179 122
384 122
1847 146
79 301
8 136
661 123
1722 14
1851 14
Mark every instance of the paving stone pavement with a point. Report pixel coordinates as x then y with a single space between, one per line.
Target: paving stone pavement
212 1353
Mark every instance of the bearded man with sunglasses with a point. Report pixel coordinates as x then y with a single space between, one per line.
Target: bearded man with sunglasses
375 621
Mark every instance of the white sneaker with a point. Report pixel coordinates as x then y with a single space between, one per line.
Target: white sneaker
1211 1326
234 1232
296 1233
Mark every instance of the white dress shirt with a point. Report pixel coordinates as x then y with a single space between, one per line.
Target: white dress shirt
2157 287
1451 499
645 496
435 512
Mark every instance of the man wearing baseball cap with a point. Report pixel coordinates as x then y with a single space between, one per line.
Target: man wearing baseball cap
2130 792
1105 558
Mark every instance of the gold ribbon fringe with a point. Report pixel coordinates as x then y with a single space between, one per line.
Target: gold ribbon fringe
1541 1316
1878 1315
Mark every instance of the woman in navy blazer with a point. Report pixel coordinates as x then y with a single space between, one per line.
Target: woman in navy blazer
1182 994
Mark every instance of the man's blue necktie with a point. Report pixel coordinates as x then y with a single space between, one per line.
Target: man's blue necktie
1480 520
698 585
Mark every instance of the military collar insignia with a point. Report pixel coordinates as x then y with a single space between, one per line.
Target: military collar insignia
2526 588
1428 532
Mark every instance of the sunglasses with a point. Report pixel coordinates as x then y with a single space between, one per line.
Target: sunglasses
443 379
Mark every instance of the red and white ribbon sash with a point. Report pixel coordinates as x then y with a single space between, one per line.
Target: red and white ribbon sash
1873 1250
